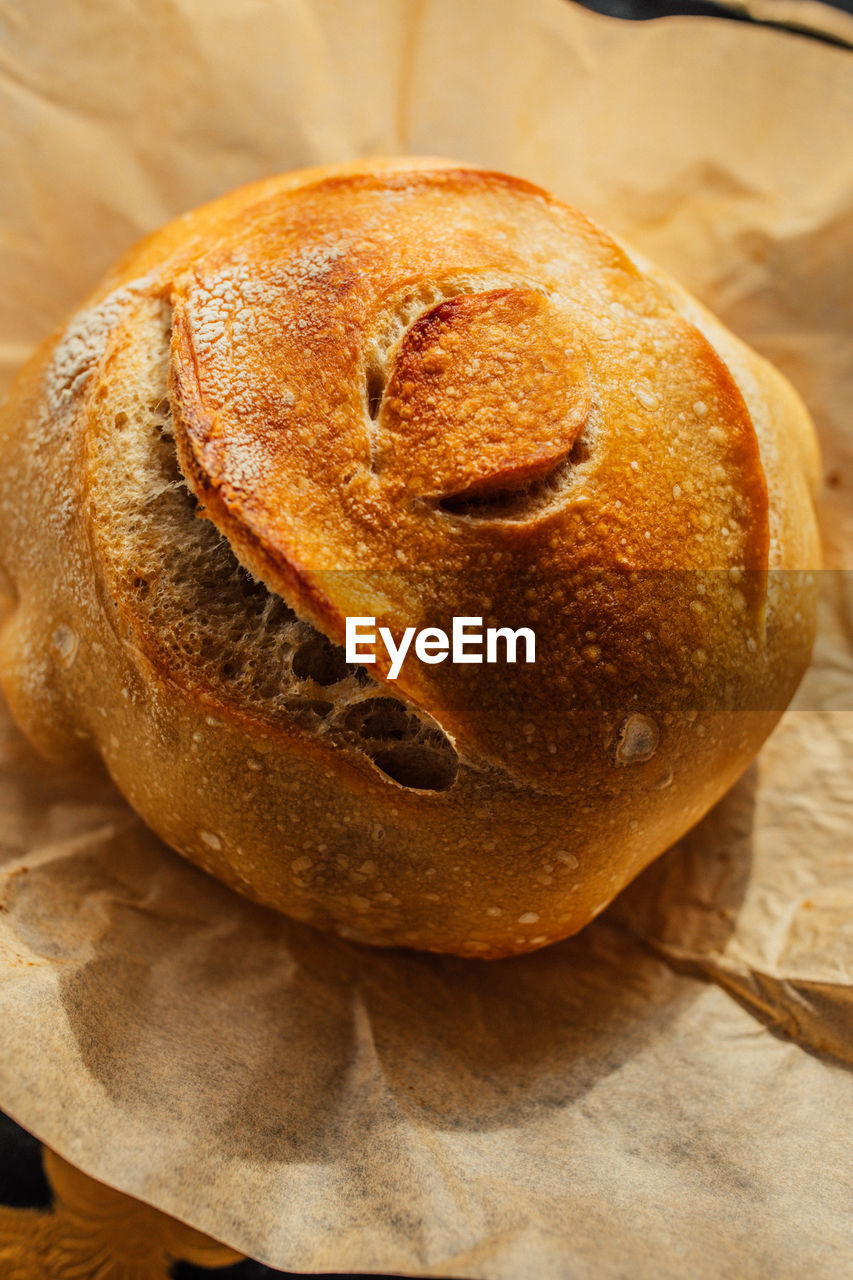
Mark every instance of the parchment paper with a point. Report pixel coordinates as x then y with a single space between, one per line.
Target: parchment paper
664 1095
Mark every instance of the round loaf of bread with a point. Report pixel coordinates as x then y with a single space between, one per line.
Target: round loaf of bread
414 392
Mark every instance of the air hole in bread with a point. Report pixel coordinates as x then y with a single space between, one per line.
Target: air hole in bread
317 659
381 718
418 766
414 752
581 451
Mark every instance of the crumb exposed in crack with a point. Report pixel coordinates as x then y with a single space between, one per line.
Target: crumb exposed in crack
220 627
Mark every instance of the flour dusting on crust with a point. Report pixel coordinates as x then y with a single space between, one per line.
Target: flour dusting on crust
84 342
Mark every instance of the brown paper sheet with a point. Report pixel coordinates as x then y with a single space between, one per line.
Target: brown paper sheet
661 1096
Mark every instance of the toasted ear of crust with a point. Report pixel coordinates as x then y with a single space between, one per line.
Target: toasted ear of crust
413 391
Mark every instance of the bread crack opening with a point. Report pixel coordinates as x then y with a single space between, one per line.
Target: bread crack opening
402 310
390 326
479 395
204 618
524 501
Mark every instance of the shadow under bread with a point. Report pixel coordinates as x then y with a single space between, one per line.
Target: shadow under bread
206 1009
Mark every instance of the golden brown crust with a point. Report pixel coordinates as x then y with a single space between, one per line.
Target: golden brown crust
416 391
275 434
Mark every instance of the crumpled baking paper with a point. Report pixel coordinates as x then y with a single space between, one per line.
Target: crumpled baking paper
662 1095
